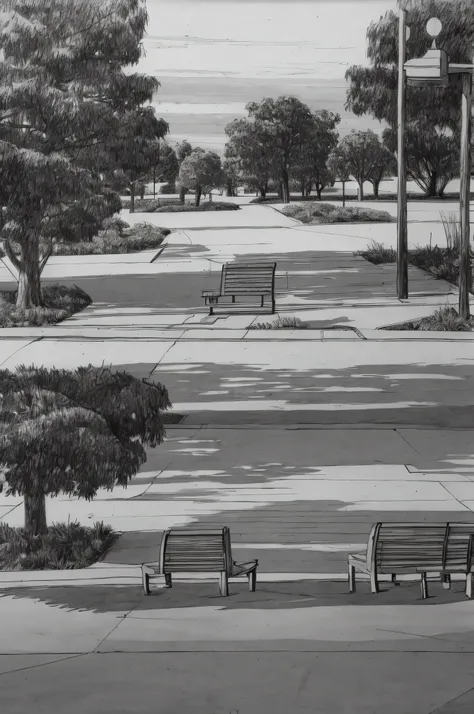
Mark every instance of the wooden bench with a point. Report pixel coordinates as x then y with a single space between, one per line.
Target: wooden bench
409 548
185 550
243 280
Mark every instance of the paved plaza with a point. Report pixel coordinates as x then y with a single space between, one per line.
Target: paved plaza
297 440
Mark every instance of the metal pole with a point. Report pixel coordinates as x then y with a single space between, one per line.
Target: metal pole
465 197
402 237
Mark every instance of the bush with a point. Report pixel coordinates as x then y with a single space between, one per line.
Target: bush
59 303
377 254
324 213
174 206
445 319
63 547
281 323
119 238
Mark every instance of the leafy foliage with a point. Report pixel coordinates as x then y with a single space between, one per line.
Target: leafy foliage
281 323
141 236
200 170
445 319
365 158
71 120
378 254
65 546
74 432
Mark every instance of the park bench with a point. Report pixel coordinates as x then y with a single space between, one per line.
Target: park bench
412 548
241 280
185 551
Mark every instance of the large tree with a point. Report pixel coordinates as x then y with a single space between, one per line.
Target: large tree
312 155
365 157
74 432
432 156
373 90
285 124
64 100
251 150
201 171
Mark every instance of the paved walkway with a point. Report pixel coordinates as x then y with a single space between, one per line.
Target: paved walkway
297 440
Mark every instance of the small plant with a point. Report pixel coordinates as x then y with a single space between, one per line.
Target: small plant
65 546
281 323
452 230
377 254
59 302
117 238
445 319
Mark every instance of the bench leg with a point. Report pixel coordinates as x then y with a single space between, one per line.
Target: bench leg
446 580
146 583
233 298
168 580
223 584
394 580
469 585
252 577
374 583
352 579
262 300
424 586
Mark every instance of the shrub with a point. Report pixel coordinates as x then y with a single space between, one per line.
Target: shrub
281 323
452 230
117 239
445 319
63 547
377 254
441 262
174 206
59 303
324 213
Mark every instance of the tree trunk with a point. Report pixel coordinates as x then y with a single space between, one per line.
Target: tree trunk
303 189
343 194
132 198
432 185
35 513
376 185
142 191
262 193
154 182
182 195
198 195
29 284
229 190
285 184
319 189
361 190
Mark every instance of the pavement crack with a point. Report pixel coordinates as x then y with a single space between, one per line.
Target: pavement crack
451 701
43 664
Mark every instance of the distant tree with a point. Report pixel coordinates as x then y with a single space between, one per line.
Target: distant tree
183 150
310 165
284 124
166 169
432 156
74 432
382 165
252 152
230 169
65 100
200 171
337 165
362 152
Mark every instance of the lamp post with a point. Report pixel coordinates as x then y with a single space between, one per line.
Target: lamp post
402 218
434 69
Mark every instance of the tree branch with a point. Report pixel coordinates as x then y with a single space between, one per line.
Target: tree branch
10 253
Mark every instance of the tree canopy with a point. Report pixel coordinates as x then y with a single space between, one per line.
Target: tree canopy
365 158
67 111
201 170
74 432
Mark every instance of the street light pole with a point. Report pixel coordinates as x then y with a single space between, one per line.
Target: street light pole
402 237
465 197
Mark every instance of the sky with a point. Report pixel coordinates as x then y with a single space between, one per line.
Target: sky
212 57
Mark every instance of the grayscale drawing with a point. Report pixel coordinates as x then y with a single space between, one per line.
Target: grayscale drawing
236 356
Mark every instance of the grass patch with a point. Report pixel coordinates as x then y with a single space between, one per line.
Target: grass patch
117 237
445 319
156 206
59 302
281 323
65 546
326 213
377 254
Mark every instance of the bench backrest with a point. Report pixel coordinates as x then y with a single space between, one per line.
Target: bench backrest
248 278
408 546
186 550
